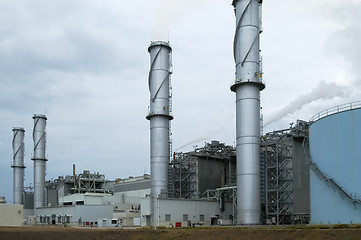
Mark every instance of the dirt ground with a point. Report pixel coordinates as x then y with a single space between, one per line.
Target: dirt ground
68 233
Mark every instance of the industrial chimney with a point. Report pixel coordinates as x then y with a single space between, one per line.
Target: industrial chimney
247 86
39 137
159 117
18 164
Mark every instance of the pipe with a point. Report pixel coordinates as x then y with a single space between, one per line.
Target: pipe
18 164
247 86
39 138
159 117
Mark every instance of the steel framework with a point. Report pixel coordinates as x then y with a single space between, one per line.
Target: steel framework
222 194
183 171
90 182
279 189
277 150
184 167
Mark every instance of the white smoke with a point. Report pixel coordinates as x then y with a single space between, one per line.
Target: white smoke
323 91
198 139
168 11
344 15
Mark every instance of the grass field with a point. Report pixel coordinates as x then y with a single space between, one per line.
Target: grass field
69 233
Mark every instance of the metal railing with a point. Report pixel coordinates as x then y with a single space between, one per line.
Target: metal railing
334 110
353 197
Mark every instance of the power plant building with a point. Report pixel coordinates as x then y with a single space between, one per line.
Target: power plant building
307 173
286 186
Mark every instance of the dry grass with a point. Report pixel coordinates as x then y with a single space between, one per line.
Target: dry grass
62 233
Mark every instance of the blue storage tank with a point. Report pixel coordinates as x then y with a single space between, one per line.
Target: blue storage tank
335 151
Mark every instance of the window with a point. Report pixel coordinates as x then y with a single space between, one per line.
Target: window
167 218
201 217
185 217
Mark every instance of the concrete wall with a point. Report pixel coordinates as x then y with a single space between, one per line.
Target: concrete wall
127 218
28 212
88 198
186 211
132 197
72 214
335 146
11 215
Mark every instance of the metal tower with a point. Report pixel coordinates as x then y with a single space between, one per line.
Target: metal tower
247 86
39 137
18 164
159 117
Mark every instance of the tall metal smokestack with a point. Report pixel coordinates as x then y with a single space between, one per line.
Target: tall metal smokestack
247 86
39 137
18 164
159 117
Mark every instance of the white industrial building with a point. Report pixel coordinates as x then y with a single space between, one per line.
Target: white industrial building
11 215
185 212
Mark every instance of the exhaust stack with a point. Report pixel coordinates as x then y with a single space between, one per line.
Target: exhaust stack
159 117
18 164
247 86
39 137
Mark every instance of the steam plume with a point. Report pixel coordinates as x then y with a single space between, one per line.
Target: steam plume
199 139
168 11
322 91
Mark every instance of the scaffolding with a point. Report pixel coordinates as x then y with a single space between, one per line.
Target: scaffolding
221 195
184 174
183 170
277 149
85 182
90 183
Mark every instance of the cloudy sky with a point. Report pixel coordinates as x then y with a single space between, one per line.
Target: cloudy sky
84 63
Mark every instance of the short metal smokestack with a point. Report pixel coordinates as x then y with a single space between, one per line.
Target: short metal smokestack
159 117
247 86
18 164
39 137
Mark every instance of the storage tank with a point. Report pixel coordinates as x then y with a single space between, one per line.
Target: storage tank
335 151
